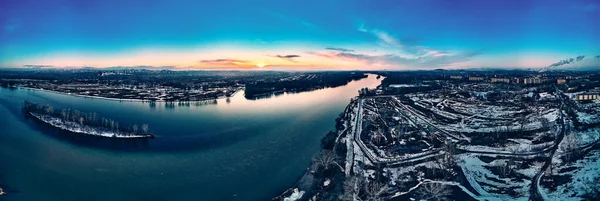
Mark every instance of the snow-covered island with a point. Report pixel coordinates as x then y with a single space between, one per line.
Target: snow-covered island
77 122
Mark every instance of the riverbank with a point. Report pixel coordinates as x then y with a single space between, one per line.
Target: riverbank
320 182
125 99
190 141
83 129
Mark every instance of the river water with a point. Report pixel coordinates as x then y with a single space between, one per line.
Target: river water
236 149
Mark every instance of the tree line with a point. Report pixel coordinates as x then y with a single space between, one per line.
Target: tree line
306 83
85 118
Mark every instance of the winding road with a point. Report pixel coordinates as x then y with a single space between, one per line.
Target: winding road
534 189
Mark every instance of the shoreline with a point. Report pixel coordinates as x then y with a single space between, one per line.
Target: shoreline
124 99
309 183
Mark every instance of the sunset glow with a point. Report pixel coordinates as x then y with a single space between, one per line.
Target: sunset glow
266 34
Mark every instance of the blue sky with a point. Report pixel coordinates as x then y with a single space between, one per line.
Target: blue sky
349 34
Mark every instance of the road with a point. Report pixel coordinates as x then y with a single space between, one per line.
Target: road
534 189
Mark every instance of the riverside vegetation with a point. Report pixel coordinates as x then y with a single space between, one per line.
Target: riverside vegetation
89 123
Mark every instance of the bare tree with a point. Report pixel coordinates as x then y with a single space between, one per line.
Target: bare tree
544 122
145 128
93 117
135 128
374 191
352 186
514 150
81 120
63 114
571 145
505 168
522 121
497 130
446 160
433 192
325 159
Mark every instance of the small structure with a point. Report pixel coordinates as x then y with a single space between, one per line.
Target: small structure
534 80
500 80
561 81
475 78
456 77
582 97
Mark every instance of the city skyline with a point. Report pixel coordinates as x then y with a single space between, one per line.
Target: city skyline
336 35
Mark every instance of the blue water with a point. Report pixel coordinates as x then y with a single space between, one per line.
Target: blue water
236 149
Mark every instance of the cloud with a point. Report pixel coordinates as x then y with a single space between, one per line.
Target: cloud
567 61
289 57
395 60
401 53
143 67
38 66
226 62
384 37
339 49
294 20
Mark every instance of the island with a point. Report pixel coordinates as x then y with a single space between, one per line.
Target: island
78 122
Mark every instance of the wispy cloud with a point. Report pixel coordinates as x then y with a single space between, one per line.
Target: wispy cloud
395 60
339 49
226 63
398 54
38 66
294 20
384 37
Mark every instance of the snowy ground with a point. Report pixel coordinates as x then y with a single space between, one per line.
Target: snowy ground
581 172
500 145
492 186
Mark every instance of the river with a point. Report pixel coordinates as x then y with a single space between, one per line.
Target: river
236 149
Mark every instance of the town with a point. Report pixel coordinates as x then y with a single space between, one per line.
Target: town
464 135
171 86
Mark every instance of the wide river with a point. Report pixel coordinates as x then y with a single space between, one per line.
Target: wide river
236 149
